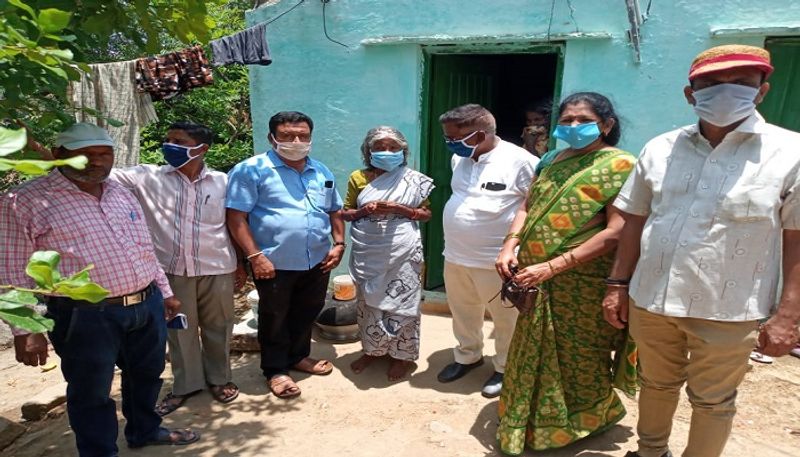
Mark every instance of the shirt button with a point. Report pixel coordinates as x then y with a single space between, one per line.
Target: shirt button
732 167
695 214
713 160
684 243
664 240
695 296
704 186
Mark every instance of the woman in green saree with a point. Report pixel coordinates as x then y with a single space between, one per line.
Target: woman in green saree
560 376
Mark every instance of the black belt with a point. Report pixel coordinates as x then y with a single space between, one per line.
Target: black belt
124 300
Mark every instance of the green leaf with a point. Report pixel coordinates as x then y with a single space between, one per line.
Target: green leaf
43 268
90 291
27 319
23 6
17 299
53 20
11 140
63 54
80 287
40 167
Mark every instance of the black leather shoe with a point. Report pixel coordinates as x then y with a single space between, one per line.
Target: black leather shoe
636 454
456 370
493 386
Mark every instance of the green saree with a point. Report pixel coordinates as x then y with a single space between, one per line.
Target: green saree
559 379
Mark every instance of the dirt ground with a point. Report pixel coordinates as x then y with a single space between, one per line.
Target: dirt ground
365 415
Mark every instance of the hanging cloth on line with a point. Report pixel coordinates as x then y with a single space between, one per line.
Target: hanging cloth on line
248 47
110 90
169 74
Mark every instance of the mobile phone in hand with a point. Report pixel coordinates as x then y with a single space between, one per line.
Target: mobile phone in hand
179 322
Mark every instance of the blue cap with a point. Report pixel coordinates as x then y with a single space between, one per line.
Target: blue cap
82 135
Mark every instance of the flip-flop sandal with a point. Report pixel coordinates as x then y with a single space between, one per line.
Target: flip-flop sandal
218 392
171 402
165 438
761 358
277 383
795 352
312 366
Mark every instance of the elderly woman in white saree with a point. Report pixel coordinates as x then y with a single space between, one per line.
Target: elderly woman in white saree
384 202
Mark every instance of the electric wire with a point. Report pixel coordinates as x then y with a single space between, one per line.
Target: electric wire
325 26
285 12
572 14
550 21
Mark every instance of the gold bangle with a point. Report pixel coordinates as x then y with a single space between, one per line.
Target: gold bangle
574 259
552 270
255 254
511 235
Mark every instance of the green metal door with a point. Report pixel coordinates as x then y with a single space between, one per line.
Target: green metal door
452 80
781 106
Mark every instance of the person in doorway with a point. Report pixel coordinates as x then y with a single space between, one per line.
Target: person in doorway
384 201
536 133
709 211
184 205
282 208
91 220
566 233
491 178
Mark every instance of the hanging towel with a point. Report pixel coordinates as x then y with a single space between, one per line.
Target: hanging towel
248 47
169 74
110 90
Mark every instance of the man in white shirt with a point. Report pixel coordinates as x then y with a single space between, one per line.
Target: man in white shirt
709 211
184 205
491 178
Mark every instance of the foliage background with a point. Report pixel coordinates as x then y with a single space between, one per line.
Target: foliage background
40 53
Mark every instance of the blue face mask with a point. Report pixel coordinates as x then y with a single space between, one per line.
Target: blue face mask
177 155
386 160
578 136
460 147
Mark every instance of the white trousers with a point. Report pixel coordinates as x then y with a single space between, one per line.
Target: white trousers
469 294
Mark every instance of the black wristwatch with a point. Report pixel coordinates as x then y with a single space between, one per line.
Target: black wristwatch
340 243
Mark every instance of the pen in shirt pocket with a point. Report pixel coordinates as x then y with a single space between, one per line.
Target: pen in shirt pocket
206 202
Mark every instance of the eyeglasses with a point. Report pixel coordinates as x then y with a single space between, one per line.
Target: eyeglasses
448 139
288 137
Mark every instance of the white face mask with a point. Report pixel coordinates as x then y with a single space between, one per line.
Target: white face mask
724 104
291 150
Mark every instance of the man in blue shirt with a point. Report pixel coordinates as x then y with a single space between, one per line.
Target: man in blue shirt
282 208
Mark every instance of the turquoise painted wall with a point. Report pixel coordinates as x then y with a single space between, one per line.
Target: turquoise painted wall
347 91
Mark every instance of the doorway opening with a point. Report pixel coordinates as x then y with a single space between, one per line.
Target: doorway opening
508 84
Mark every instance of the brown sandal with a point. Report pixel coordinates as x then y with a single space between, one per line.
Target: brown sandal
283 386
314 366
218 392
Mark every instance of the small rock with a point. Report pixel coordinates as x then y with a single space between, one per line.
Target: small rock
439 427
9 431
37 407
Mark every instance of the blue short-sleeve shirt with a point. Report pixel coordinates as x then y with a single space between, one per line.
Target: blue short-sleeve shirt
288 210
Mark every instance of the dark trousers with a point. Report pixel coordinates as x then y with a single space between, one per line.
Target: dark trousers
91 339
288 305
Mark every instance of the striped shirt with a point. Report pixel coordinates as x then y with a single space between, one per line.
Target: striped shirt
186 218
51 213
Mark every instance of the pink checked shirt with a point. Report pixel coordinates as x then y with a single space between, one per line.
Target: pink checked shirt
51 213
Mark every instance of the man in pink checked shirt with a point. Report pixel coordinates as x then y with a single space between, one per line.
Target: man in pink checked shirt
90 220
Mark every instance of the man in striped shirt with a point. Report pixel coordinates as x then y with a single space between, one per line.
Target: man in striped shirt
184 206
90 220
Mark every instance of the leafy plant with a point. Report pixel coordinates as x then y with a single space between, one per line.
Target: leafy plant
15 305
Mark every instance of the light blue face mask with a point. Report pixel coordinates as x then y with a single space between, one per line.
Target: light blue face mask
460 147
578 136
386 160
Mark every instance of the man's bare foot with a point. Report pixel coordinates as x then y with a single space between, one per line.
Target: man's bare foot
399 369
362 362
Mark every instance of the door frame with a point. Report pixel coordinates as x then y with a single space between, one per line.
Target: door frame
428 51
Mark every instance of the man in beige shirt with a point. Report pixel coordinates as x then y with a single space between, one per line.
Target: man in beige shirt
709 211
184 204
